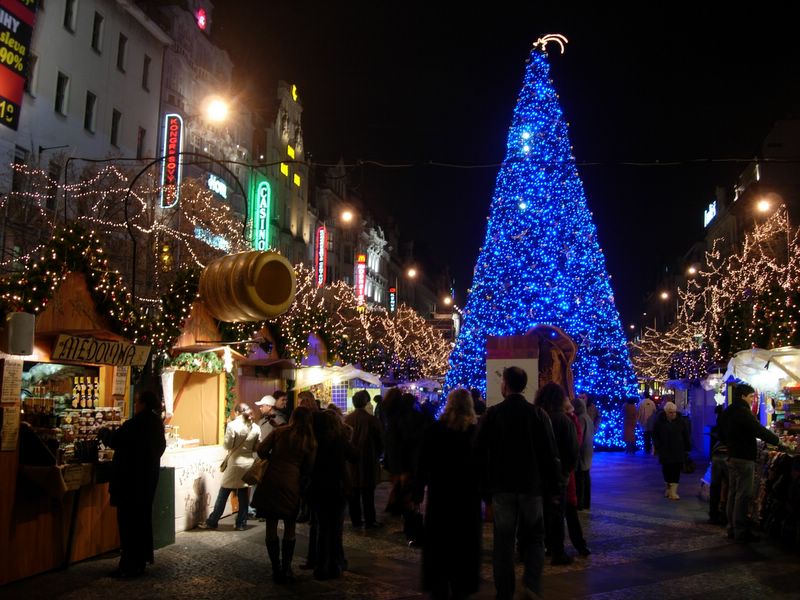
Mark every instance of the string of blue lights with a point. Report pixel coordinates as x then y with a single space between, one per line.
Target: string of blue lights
541 262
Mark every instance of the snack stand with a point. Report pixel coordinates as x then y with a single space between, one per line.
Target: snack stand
52 476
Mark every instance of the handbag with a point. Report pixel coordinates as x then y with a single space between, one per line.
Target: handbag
224 464
255 473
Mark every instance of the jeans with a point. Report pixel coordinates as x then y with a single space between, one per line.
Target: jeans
554 514
719 486
740 493
222 499
517 515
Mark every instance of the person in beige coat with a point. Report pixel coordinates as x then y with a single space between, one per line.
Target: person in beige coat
242 436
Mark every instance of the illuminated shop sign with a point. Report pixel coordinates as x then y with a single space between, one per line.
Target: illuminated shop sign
259 211
361 277
201 18
392 299
321 254
218 185
710 213
16 29
171 167
213 240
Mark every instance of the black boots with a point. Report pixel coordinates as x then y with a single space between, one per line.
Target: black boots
287 554
274 552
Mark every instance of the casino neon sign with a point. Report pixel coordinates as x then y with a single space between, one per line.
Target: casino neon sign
171 167
260 201
321 254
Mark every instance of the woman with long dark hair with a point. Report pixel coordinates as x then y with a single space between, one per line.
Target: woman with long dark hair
451 550
290 450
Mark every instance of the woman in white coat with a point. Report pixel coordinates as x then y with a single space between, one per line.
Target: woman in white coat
241 438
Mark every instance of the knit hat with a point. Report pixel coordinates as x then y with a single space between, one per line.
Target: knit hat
268 400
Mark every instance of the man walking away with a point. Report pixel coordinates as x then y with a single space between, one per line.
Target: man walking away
517 452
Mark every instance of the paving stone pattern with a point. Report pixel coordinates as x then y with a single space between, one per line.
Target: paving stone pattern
644 547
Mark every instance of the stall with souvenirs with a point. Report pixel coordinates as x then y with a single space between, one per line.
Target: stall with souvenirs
53 469
775 375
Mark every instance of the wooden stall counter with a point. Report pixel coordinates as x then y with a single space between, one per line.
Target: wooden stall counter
197 481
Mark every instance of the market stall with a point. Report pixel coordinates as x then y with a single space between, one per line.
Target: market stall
336 384
52 470
196 382
775 374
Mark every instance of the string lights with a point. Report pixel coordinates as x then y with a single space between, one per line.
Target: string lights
541 262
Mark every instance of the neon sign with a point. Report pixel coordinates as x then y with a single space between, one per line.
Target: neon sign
321 254
710 213
361 277
218 185
260 208
215 241
392 299
171 167
202 19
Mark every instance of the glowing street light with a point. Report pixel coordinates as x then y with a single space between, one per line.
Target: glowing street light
347 216
411 273
216 110
692 270
447 300
664 295
763 205
631 326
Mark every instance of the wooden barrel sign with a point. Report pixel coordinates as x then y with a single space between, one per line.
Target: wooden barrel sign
248 286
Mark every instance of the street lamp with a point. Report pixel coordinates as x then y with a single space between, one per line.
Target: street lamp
691 271
347 216
447 300
411 273
664 295
216 109
763 205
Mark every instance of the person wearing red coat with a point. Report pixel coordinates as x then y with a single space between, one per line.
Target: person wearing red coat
571 508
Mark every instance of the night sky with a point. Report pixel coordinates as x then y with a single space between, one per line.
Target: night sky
411 82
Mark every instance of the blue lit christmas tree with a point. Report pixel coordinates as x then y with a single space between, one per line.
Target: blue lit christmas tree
541 262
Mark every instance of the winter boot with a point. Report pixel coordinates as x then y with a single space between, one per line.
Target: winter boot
673 491
286 557
666 490
274 551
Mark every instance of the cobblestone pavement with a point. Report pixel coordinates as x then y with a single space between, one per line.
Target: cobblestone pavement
644 547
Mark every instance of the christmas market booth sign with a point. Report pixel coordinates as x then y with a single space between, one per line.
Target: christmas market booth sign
101 352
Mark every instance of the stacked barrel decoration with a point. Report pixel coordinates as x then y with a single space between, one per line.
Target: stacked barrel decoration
248 286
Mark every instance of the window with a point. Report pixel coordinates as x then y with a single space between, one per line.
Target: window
140 139
146 73
18 179
97 32
116 122
88 114
31 73
70 10
62 94
122 48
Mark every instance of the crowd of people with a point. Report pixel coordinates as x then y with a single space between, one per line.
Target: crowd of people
526 465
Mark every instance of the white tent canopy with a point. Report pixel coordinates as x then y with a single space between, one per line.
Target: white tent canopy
767 370
305 377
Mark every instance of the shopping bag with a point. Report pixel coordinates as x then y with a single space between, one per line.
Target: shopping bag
254 474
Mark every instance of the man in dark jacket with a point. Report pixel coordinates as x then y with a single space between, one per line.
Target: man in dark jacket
365 474
738 430
138 446
517 450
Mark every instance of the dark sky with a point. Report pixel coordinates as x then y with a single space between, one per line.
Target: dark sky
424 82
